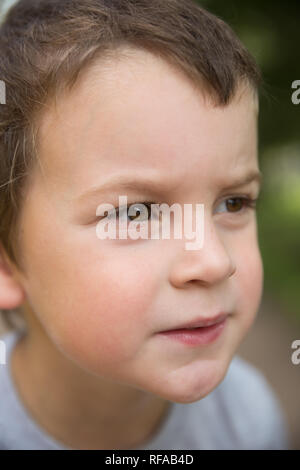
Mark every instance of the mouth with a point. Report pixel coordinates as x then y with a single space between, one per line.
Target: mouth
208 332
199 323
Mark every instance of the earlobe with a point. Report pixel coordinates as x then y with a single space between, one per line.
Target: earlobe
12 294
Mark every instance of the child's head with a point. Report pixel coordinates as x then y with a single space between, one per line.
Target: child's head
160 91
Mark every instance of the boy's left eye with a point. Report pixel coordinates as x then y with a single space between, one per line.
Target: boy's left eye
240 203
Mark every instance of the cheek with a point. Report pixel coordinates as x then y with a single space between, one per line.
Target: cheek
94 299
250 282
114 292
110 316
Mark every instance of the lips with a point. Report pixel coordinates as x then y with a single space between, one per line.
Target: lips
201 322
197 337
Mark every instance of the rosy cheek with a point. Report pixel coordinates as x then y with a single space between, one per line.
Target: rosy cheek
109 306
256 276
251 285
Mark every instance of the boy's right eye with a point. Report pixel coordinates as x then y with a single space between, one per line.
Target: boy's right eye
139 212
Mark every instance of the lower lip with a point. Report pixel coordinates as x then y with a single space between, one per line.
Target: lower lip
199 336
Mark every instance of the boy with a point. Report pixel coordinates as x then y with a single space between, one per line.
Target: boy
156 101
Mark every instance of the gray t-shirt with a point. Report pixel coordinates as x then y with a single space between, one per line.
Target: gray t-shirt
242 412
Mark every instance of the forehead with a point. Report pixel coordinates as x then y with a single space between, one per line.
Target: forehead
138 113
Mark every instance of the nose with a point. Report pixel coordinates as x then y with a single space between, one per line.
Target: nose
209 265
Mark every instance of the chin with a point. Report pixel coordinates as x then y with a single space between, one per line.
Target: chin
191 384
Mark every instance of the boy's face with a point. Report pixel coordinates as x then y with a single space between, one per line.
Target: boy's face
104 302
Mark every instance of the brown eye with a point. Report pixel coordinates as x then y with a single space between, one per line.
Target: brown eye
132 217
239 204
140 212
235 204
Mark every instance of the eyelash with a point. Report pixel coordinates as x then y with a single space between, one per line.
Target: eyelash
248 203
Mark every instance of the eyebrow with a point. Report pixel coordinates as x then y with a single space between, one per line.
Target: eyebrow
254 175
120 183
142 184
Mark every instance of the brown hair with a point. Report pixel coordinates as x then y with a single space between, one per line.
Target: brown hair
44 44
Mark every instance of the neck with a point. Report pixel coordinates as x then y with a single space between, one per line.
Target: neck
78 409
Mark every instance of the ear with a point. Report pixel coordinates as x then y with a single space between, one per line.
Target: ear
12 294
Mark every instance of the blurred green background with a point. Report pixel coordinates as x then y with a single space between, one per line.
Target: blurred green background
270 30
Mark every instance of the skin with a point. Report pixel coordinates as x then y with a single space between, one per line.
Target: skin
93 360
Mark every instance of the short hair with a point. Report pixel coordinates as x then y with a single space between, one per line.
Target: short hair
45 44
